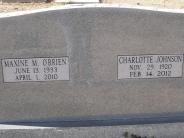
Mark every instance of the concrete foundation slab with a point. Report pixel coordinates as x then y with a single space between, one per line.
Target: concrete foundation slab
175 130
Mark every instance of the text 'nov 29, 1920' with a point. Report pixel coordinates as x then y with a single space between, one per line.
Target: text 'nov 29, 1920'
150 66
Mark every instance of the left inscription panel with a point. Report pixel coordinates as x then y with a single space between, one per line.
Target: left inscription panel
35 69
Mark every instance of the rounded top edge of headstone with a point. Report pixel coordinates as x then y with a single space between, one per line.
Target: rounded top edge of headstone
90 6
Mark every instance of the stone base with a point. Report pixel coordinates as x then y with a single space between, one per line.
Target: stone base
149 131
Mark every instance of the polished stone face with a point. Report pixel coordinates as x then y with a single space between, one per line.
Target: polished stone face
92 39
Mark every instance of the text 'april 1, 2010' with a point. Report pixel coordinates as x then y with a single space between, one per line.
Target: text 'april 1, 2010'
35 69
150 66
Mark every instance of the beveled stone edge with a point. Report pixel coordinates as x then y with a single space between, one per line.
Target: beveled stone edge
83 6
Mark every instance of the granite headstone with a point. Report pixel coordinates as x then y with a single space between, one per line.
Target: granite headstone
93 60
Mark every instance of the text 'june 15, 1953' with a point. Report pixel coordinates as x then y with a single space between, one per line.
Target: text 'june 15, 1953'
35 69
150 66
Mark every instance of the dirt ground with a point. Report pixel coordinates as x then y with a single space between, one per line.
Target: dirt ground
8 7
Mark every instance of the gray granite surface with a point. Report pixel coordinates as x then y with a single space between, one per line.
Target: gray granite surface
91 37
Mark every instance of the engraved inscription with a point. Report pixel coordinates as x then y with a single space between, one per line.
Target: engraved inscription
35 69
150 66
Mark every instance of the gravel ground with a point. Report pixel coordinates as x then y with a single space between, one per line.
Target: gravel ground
7 7
179 4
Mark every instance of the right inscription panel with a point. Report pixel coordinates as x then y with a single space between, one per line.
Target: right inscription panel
150 66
